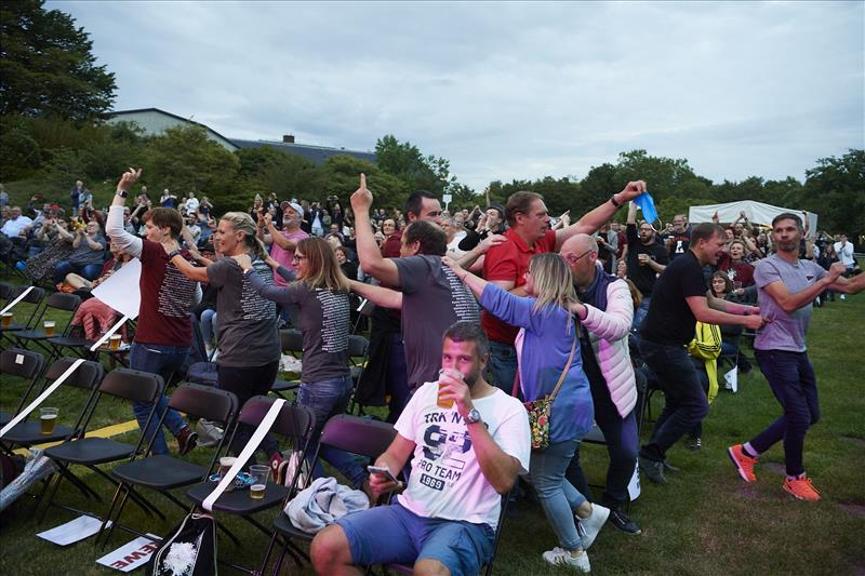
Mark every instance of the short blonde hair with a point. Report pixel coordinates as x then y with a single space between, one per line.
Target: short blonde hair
553 282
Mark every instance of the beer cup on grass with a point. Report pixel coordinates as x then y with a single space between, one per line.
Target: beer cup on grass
47 419
259 475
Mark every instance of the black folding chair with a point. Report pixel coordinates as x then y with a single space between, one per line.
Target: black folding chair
21 363
354 434
358 347
85 379
59 301
164 473
126 384
292 343
295 424
34 298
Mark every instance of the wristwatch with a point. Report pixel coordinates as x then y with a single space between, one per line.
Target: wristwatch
122 193
473 417
613 200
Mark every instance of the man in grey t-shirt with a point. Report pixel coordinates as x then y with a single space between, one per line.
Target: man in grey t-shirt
786 288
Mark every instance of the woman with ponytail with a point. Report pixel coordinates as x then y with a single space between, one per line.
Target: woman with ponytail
321 292
248 339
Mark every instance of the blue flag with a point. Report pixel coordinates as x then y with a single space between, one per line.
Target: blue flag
647 205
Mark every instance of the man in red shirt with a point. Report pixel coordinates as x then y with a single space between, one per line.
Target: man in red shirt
506 264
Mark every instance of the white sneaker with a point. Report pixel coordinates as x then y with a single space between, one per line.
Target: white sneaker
561 557
593 524
209 434
843 296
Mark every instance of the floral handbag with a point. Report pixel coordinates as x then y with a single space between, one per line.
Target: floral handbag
539 410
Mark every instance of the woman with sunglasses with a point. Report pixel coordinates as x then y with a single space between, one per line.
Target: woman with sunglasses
546 342
321 292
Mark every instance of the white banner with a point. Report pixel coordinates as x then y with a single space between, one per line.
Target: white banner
131 555
121 291
73 531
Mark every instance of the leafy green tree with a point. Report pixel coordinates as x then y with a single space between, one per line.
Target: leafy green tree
662 175
183 159
47 67
835 190
339 176
405 161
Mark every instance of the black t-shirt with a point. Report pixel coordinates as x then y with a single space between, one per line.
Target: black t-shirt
670 320
643 277
678 243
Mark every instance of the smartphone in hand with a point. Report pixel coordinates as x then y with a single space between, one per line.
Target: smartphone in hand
383 470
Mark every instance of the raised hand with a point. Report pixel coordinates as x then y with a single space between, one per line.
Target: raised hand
361 200
129 178
632 190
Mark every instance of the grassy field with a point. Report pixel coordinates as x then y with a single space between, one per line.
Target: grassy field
705 521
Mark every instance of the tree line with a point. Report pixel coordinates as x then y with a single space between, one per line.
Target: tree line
54 99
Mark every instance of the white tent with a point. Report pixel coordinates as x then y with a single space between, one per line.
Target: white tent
757 213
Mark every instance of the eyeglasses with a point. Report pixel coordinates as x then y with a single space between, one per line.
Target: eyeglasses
574 259
299 257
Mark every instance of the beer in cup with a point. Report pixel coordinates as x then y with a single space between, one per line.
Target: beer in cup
7 319
47 418
49 325
441 402
114 342
259 475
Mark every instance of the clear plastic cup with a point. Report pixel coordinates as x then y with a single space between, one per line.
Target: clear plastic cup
48 326
260 474
47 419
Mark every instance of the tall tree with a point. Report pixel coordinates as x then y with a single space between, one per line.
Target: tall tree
47 67
405 161
835 190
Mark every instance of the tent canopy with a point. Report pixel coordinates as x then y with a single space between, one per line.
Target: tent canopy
757 213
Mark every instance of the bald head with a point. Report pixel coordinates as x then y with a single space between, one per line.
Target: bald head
580 253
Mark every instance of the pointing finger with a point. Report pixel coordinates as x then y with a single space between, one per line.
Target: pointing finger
362 181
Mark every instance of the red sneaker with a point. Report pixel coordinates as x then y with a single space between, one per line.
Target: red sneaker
744 463
801 488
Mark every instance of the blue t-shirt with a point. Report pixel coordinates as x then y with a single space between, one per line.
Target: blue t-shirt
543 347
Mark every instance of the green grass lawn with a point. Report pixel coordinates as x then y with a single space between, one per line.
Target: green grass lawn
704 521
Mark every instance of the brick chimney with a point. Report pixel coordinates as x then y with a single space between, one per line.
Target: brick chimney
288 139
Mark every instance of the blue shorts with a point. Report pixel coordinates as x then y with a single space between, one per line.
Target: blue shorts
394 535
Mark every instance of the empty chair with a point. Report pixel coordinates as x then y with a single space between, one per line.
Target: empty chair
20 363
292 343
123 383
22 318
38 334
294 424
164 473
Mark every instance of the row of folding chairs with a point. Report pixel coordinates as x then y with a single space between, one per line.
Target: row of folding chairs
140 470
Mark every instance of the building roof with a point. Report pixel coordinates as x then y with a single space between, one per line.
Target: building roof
175 116
316 154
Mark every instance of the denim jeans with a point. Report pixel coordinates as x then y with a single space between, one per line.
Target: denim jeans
64 267
209 326
640 313
162 360
792 379
328 398
557 496
503 365
685 402
622 445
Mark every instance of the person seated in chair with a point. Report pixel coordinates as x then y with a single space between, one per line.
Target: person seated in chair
465 457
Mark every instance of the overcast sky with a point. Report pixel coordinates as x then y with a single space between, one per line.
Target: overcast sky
511 90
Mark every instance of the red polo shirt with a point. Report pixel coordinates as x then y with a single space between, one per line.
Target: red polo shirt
509 262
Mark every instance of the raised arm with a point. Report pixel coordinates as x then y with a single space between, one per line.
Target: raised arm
469 258
592 222
474 283
130 244
373 263
197 273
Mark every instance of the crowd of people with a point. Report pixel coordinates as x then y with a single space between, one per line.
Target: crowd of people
475 313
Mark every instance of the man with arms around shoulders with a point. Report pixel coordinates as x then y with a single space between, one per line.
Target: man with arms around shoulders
605 313
786 287
680 300
506 263
445 521
432 297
